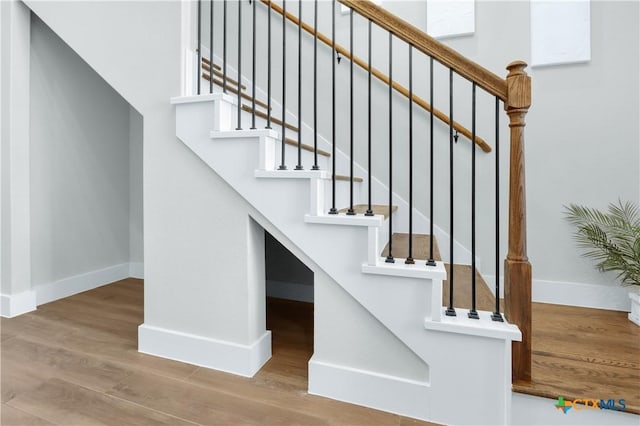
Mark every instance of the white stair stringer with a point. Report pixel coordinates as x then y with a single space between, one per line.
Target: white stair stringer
404 298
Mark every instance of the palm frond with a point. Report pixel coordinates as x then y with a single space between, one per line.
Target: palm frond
612 238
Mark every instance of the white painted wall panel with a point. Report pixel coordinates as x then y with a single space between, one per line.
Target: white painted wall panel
79 164
560 32
446 18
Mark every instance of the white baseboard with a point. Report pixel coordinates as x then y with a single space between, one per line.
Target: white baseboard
136 270
290 291
12 305
66 287
610 297
382 392
244 360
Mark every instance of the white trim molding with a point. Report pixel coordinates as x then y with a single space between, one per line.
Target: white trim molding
12 305
66 287
370 389
598 296
136 270
244 360
611 297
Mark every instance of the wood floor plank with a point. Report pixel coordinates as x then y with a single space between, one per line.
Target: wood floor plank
10 416
17 378
584 353
5 336
106 346
81 315
85 370
282 395
69 404
212 406
35 325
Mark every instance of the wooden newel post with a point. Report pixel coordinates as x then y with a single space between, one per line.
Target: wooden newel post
517 269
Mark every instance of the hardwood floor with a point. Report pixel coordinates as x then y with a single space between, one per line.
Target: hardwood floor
584 353
75 362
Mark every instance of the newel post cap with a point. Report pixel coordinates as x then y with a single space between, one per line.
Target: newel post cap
518 86
516 68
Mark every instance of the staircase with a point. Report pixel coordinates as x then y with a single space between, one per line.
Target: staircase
357 230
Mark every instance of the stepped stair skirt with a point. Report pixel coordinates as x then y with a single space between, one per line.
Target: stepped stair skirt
467 360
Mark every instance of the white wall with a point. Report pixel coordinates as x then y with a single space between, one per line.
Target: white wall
136 221
196 228
15 267
346 334
79 164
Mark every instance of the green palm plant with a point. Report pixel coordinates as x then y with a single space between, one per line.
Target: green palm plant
611 237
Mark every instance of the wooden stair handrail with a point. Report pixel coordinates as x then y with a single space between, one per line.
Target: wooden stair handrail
381 76
423 42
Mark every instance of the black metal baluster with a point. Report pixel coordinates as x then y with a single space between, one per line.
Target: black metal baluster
315 86
253 68
333 209
199 48
284 81
299 165
351 212
389 258
268 126
239 66
450 310
211 3
496 316
431 261
369 211
224 46
409 259
473 314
